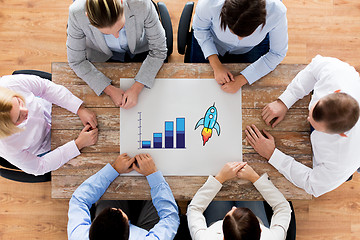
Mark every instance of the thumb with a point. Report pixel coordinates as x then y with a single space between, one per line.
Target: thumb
277 121
231 76
136 168
86 128
268 135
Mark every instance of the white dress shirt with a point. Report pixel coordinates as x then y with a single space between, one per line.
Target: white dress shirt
197 223
335 158
21 149
213 40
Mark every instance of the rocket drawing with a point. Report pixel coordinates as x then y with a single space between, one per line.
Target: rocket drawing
209 122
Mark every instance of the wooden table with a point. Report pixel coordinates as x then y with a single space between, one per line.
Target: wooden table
291 135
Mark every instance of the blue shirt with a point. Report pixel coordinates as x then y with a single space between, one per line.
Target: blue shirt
213 40
119 46
94 187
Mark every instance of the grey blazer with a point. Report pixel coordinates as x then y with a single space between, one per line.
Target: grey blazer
86 44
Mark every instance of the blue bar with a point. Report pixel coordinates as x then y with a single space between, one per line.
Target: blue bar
180 132
157 140
146 144
169 134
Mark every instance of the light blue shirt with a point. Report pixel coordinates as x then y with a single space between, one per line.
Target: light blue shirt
213 40
118 45
94 187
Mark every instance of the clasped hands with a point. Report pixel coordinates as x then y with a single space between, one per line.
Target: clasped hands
124 99
142 163
237 169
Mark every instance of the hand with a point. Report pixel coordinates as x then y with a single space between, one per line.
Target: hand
131 95
87 117
116 94
222 74
248 173
145 165
229 171
87 137
264 146
275 110
123 164
234 86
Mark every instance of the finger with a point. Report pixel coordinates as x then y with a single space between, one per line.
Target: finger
124 100
268 135
258 133
268 119
252 133
227 78
277 121
238 167
231 76
266 108
86 128
251 141
248 136
132 160
136 168
131 168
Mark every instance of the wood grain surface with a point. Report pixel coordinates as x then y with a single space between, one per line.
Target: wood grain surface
292 135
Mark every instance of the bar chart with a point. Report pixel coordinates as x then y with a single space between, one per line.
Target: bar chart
168 140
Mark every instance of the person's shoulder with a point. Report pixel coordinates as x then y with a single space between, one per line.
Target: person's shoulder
332 64
210 6
275 7
135 4
77 7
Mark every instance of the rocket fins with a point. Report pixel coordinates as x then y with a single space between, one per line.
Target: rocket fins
217 127
200 122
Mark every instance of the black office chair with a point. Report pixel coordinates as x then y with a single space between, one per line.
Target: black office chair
184 31
11 172
291 232
166 23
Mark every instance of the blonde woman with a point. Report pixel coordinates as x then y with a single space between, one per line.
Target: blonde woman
115 30
25 123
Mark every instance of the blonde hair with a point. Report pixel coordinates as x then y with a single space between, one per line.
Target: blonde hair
7 127
104 13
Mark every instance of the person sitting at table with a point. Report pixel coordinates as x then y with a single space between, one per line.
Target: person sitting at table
333 113
25 123
115 30
234 220
239 31
118 220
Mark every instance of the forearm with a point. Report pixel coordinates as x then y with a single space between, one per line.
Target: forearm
166 207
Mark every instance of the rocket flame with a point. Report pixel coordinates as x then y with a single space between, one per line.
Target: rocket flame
206 133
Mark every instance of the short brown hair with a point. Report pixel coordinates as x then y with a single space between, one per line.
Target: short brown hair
7 127
339 111
110 224
104 13
242 224
243 16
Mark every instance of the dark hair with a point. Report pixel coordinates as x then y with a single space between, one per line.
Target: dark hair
110 224
104 13
339 111
243 16
242 224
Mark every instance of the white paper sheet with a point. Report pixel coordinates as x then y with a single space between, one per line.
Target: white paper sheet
190 99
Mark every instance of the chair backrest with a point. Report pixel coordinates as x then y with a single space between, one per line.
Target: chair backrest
11 172
166 23
291 232
184 33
